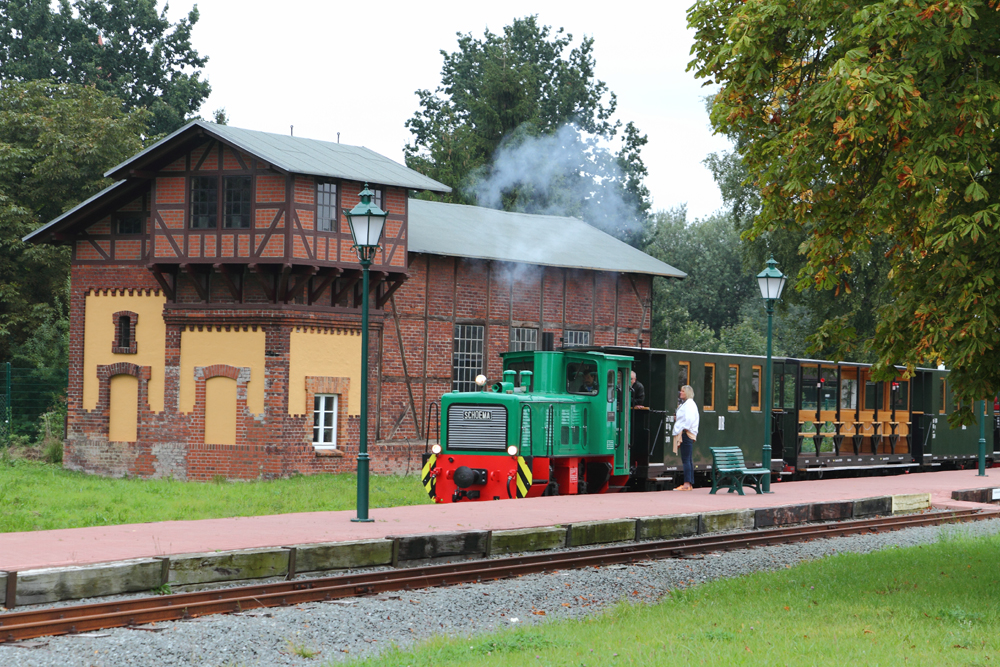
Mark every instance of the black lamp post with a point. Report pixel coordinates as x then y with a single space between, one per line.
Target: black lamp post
367 221
771 281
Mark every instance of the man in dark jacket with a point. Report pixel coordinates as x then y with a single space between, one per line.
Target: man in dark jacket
638 392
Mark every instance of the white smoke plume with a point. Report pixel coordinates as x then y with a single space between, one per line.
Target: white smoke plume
568 173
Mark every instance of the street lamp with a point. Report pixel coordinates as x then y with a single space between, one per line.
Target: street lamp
367 221
771 281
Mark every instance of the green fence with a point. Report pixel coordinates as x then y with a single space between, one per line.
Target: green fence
25 395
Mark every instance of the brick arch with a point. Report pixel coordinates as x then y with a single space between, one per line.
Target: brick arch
104 374
133 320
202 374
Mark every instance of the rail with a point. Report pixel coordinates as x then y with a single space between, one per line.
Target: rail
16 626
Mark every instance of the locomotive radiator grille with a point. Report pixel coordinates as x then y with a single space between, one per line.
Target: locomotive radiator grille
477 427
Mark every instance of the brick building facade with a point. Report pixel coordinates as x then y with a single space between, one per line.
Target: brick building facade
215 310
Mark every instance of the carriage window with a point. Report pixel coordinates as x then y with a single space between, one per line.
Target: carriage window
944 397
848 394
708 402
788 398
873 396
810 393
611 386
734 387
901 395
581 378
828 389
755 388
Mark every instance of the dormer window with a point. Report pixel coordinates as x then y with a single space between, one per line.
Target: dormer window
124 342
235 202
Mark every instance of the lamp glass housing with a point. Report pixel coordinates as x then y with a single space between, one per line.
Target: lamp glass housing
366 221
771 281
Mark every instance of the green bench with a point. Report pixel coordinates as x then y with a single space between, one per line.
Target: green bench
728 465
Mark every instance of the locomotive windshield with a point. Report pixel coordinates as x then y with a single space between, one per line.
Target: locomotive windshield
581 378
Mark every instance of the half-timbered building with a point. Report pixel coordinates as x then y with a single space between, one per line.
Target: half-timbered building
215 306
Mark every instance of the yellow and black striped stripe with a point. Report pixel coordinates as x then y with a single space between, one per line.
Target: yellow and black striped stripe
430 481
523 476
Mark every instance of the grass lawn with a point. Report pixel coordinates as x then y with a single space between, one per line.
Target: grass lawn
933 605
42 496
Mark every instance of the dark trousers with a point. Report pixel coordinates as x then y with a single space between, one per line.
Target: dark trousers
686 449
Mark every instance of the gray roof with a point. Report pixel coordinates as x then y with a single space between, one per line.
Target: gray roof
298 155
484 233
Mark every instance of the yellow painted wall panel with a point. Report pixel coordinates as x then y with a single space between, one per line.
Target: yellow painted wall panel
318 354
233 348
99 334
220 411
123 423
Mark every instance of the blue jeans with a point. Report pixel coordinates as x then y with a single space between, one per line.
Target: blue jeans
686 449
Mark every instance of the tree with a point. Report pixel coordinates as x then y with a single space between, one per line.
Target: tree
527 100
123 47
869 128
56 141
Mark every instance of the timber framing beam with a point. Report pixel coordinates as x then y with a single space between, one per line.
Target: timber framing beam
230 278
160 275
396 283
196 277
325 280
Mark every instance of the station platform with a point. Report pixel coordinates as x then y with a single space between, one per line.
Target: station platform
85 562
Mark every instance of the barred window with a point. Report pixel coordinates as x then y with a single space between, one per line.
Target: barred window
237 203
326 206
577 338
467 359
523 338
204 202
325 421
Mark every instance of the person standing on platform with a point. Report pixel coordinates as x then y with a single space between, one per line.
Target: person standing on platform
685 434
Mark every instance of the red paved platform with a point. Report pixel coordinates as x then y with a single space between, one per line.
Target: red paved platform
76 546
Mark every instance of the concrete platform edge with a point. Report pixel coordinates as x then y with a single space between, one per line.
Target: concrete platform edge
201 570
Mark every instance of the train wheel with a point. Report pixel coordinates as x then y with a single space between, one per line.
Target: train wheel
552 489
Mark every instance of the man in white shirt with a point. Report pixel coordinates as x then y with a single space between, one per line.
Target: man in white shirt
685 434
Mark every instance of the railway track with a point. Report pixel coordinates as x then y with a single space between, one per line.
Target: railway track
87 618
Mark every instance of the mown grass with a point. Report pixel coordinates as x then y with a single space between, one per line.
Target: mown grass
41 496
930 606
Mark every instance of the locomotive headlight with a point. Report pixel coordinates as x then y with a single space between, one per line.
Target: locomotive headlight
435 448
480 380
512 450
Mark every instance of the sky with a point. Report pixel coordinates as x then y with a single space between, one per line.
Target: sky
334 67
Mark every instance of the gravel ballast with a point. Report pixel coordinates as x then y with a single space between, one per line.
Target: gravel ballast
363 626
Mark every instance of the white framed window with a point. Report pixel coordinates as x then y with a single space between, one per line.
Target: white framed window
467 358
523 338
576 338
325 421
326 207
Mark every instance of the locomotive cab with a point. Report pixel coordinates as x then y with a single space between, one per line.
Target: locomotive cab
556 424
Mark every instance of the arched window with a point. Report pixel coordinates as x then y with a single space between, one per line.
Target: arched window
124 323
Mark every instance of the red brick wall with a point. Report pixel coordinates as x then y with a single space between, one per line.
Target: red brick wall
444 291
